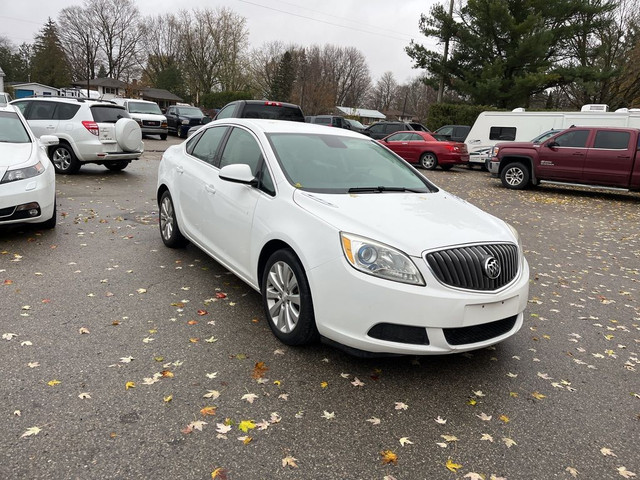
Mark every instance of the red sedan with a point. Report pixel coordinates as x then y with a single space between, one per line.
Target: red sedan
426 150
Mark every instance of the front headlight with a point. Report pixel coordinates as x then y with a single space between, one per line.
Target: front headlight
379 260
23 173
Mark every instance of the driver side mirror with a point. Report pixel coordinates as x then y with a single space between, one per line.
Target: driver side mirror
552 144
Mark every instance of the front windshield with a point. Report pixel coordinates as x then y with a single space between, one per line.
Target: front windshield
11 129
191 111
337 164
544 136
355 123
143 107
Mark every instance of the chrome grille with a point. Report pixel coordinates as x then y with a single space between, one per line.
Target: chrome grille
463 267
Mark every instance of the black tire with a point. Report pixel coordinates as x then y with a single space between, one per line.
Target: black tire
428 161
169 230
117 166
163 136
286 298
515 176
63 159
446 168
51 223
178 131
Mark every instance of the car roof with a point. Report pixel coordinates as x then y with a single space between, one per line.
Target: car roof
284 126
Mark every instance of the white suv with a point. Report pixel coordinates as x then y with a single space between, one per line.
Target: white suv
147 114
90 131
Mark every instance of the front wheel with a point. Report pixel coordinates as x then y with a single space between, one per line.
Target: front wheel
169 231
286 298
428 161
515 176
51 223
163 136
63 159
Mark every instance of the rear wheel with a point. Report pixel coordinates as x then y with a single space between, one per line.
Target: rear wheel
163 136
515 176
169 231
117 166
428 161
286 298
63 159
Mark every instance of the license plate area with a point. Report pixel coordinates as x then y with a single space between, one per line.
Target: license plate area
488 312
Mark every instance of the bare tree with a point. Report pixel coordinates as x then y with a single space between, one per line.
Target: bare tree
79 40
161 42
384 93
118 27
263 66
232 42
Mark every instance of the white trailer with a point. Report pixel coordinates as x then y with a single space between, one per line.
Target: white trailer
491 128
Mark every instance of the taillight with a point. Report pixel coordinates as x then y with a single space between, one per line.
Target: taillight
273 104
92 127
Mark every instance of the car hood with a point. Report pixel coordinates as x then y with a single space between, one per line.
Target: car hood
15 153
411 222
517 145
149 116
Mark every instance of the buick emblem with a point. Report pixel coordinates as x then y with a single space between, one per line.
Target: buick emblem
491 267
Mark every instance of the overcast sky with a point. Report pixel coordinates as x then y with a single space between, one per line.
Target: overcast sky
380 29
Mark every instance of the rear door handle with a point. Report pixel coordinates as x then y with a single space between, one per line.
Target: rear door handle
210 189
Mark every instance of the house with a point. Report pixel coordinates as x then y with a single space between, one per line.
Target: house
108 88
162 97
21 90
364 115
400 116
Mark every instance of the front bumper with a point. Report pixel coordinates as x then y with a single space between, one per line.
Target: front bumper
493 166
154 130
38 190
441 311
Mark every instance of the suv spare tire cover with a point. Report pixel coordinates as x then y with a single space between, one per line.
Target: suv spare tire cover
128 134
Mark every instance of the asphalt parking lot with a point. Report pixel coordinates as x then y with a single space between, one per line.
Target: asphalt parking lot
124 359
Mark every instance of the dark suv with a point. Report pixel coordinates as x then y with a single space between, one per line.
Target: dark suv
180 118
261 109
382 129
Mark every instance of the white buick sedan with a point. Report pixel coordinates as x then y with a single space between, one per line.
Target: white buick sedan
27 177
344 239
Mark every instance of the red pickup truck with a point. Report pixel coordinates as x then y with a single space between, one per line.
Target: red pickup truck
602 157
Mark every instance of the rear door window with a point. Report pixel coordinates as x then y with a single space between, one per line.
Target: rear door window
42 111
611 140
108 113
393 127
66 111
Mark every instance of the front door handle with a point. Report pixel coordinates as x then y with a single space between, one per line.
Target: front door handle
210 189
180 170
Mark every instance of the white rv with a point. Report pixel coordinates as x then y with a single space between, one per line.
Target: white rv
491 128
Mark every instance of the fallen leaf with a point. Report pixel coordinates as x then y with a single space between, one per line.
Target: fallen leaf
474 476
508 442
324 384
53 383
129 385
607 452
222 428
126 359
259 370
208 411
168 398
212 394
504 418
289 461
440 420
84 395
450 438
83 330
249 397
453 467
572 471
484 417
219 473
538 395
625 473
401 406
405 441
328 416
246 425
30 431
389 457
198 424
374 421
487 437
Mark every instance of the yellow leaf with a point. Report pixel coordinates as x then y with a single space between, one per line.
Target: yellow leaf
168 398
324 385
220 473
194 340
513 394
167 373
504 418
53 383
472 401
129 385
389 457
290 461
454 467
538 395
246 425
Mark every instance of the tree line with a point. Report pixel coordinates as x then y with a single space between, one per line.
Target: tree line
503 54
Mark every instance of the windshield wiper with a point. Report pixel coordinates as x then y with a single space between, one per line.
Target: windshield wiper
381 189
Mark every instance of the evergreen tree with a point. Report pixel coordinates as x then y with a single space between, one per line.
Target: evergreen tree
49 64
285 78
504 52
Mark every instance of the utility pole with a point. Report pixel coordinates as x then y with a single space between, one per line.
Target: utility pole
444 58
